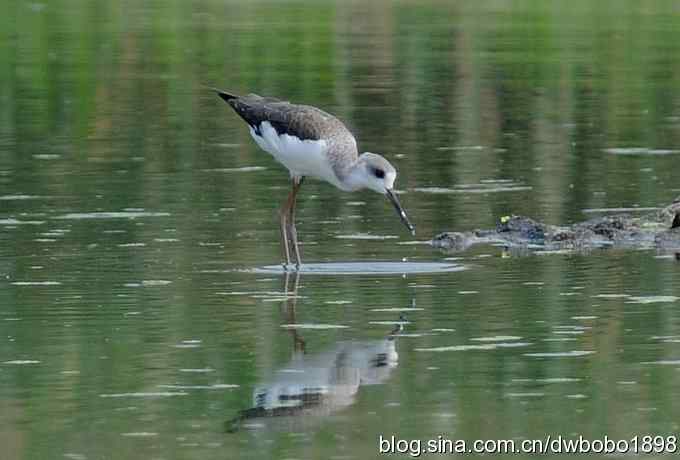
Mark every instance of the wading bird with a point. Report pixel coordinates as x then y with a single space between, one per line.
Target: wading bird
311 142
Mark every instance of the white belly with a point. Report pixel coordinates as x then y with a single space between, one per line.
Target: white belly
301 157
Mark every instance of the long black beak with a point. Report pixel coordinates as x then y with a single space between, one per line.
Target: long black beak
402 214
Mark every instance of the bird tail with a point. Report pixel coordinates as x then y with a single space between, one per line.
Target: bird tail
223 94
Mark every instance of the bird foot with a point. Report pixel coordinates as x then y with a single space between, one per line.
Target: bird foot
287 267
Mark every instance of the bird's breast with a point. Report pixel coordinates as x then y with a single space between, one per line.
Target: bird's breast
302 157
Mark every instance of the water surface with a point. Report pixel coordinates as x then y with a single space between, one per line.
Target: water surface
143 313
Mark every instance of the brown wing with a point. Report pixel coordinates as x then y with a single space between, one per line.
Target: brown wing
302 121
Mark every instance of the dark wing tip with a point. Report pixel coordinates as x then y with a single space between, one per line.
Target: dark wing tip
222 94
676 221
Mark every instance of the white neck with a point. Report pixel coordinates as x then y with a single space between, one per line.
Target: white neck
355 178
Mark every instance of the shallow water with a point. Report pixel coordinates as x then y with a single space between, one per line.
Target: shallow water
143 310
365 268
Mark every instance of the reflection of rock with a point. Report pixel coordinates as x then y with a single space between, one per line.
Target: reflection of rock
620 231
320 384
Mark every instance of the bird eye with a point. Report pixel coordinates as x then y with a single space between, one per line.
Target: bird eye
379 173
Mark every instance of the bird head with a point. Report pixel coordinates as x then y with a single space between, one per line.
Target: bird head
374 172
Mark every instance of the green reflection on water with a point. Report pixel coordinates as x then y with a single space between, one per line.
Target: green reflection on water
102 110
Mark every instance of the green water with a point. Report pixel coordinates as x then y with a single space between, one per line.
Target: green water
136 216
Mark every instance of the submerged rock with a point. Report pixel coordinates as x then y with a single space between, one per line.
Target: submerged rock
650 231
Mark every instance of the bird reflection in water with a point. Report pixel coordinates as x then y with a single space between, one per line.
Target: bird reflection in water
314 385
